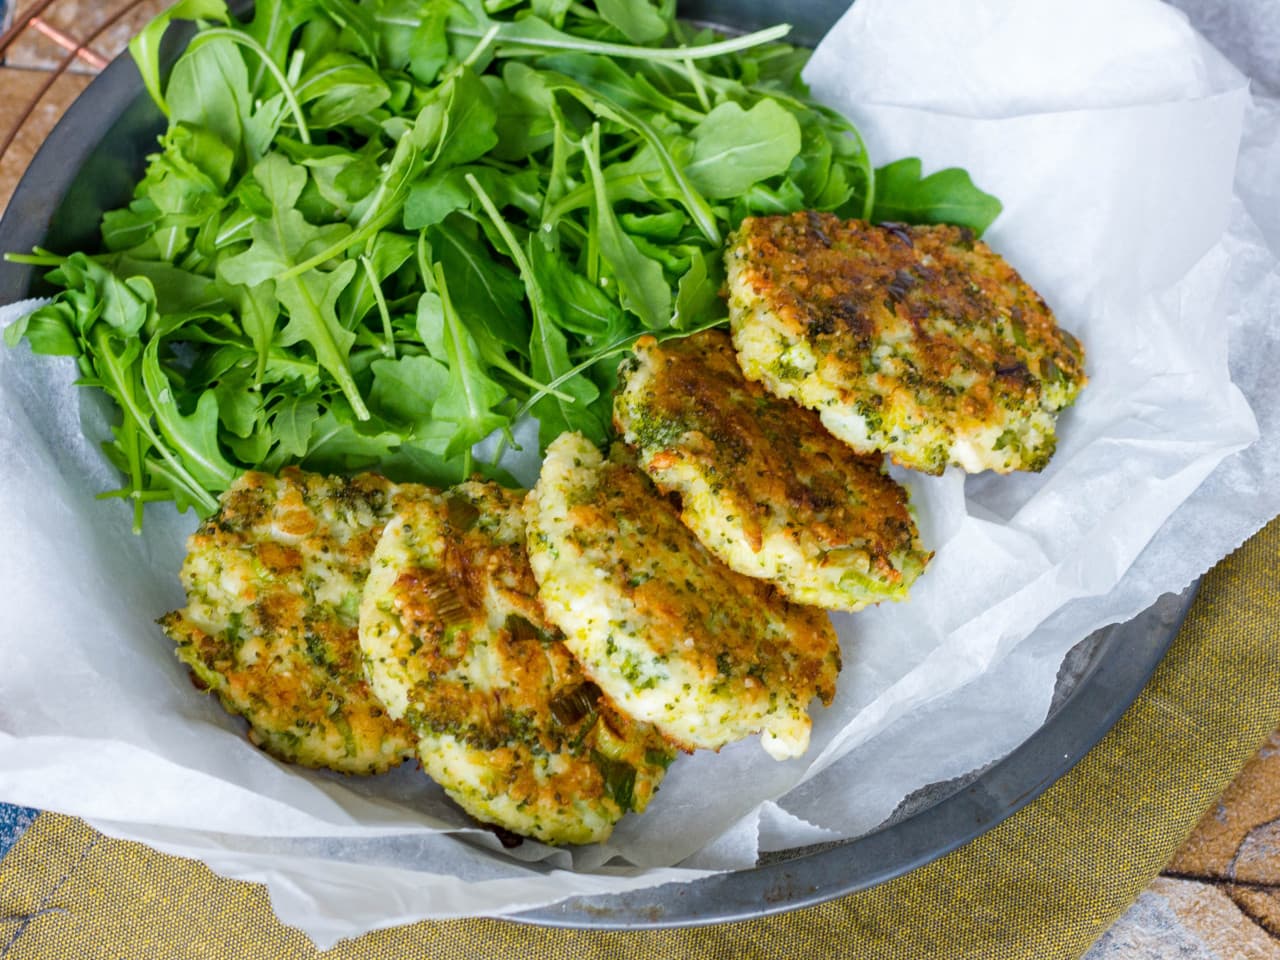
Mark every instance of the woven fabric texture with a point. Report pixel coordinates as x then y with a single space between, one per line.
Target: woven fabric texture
1043 884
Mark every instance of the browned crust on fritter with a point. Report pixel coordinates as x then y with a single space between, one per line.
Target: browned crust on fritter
683 591
846 286
309 687
437 608
445 606
772 461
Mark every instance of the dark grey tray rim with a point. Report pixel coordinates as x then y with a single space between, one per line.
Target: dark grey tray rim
1129 654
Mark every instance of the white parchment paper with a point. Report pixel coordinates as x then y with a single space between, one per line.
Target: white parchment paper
1112 133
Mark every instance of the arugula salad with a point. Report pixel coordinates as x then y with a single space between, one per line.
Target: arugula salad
376 232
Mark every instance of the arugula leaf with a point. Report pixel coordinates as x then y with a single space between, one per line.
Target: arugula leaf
692 200
182 193
698 294
533 34
415 462
336 444
292 423
240 407
119 373
482 288
658 227
469 402
636 19
388 252
429 49
578 305
214 34
209 89
734 149
311 301
145 47
49 330
812 168
762 200
641 282
947 196
258 309
124 303
548 347
177 291
451 124
468 129
357 23
340 87
433 199
405 389
272 26
623 88
193 438
311 297
429 323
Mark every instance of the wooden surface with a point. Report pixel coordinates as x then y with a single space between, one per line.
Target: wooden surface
1219 898
21 86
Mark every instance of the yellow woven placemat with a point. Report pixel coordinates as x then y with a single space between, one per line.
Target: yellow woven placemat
1043 884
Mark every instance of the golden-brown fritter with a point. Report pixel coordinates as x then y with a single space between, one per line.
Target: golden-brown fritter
762 483
273 584
918 341
456 642
669 633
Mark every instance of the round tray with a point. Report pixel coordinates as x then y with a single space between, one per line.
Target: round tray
89 164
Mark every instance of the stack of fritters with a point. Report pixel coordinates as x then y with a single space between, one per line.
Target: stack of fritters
673 636
354 622
918 342
456 642
304 591
546 654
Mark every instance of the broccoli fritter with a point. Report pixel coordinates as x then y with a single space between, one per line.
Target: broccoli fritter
457 644
673 636
273 582
917 341
762 483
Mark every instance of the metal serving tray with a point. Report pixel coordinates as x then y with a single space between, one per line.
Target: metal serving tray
90 163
